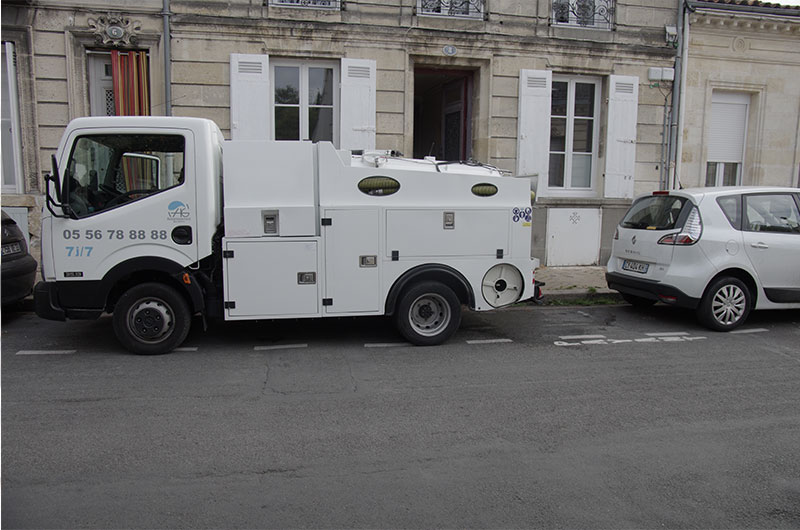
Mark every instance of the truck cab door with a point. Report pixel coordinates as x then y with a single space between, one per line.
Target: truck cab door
126 194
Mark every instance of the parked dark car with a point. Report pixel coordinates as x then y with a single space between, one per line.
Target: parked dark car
19 267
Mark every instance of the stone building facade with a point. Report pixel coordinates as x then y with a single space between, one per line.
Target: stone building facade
742 95
574 93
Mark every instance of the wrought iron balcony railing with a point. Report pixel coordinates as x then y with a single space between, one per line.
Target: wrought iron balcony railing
451 8
597 14
313 4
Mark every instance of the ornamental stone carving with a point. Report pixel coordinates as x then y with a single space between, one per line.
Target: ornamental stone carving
115 30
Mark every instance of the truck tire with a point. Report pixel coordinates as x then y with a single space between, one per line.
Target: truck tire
428 313
151 319
725 305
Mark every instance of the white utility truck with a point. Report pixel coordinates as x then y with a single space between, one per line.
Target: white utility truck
159 219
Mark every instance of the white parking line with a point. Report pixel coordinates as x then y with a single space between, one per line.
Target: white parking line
751 330
489 341
578 337
46 352
280 347
668 334
386 344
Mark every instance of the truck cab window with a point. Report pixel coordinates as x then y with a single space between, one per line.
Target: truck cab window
107 171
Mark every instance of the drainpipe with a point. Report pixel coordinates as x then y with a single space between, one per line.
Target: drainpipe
167 61
679 97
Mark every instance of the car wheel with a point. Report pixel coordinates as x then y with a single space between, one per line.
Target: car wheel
428 314
638 301
725 305
151 319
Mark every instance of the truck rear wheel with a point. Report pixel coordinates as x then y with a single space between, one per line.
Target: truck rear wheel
428 314
151 319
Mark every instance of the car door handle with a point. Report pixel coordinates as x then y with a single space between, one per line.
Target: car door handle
759 245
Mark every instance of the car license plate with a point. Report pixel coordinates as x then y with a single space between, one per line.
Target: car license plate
11 248
635 266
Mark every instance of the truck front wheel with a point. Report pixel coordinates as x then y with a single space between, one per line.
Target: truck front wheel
151 319
428 314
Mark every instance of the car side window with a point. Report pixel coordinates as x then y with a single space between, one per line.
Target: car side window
772 213
732 208
107 171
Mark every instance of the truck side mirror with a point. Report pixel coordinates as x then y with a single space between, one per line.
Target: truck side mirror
53 177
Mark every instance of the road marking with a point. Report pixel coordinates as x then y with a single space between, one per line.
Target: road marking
280 347
386 344
489 341
751 330
601 340
186 348
668 334
46 352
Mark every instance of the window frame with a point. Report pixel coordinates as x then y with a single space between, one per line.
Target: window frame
10 72
304 65
567 189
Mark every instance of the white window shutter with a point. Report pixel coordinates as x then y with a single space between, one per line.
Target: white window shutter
533 124
623 105
250 97
358 108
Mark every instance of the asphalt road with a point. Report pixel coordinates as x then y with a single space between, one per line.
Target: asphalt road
553 417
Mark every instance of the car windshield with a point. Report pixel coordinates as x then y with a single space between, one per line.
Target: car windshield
657 212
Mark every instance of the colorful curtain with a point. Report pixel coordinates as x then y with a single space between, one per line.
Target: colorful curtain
129 71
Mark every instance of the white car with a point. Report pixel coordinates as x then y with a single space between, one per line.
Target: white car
721 251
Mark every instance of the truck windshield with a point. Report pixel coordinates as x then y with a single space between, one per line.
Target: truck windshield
106 171
658 212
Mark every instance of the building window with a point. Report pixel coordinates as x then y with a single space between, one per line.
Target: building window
118 83
12 152
598 14
312 4
726 138
451 8
305 101
573 133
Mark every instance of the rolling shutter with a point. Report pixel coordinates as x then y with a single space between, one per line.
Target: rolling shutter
250 97
728 126
623 104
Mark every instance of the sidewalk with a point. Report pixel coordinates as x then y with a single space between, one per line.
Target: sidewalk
566 283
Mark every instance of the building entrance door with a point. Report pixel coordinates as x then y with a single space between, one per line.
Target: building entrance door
443 114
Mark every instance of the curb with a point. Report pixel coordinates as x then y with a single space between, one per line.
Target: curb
574 295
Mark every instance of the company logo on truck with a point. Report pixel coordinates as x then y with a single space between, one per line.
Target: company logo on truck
178 211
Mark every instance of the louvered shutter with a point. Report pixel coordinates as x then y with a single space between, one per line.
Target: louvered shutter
358 108
533 124
250 97
623 105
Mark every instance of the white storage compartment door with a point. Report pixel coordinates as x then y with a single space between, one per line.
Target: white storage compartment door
352 265
262 279
417 233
